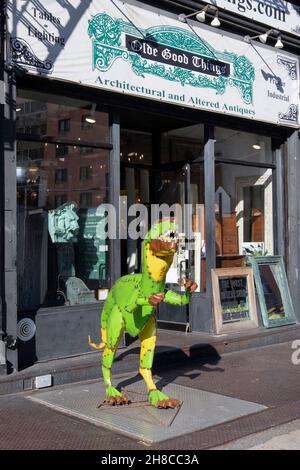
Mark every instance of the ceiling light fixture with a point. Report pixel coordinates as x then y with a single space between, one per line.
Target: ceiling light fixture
216 22
256 146
201 15
264 37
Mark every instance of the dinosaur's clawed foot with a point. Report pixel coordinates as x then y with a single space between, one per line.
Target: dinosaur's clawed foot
161 400
115 398
170 403
117 401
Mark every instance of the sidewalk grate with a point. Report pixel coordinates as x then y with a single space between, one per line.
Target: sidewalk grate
199 410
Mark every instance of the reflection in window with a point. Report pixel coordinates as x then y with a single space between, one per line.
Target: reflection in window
53 116
62 257
64 125
85 172
243 211
62 150
237 145
60 199
61 176
272 295
85 199
136 147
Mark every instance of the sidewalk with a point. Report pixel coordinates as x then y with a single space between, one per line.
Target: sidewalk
173 347
264 376
285 437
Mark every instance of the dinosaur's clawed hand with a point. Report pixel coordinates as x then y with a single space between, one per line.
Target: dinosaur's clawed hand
189 285
155 299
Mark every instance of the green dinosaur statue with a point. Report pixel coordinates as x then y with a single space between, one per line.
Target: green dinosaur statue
130 307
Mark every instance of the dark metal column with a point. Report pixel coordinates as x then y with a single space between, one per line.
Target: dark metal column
201 315
8 272
114 194
293 222
278 200
155 177
210 222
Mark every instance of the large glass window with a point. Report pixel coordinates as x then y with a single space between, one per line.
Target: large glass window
242 146
62 252
243 196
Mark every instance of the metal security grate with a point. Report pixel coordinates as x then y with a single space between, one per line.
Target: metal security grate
199 410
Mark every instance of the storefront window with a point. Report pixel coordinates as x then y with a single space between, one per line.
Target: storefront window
242 146
244 213
136 147
62 255
243 197
56 117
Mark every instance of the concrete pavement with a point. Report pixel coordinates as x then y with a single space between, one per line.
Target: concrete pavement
264 375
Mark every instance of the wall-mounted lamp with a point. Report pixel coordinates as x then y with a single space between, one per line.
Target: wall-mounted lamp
216 22
201 15
264 37
279 43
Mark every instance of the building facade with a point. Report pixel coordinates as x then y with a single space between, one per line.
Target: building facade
132 105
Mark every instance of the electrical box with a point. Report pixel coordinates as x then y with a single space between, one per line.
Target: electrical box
43 381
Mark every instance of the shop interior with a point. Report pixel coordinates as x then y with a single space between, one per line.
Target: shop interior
63 165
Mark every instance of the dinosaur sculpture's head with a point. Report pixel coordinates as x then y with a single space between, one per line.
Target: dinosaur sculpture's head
160 245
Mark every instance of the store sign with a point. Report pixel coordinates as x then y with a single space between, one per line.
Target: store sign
277 14
176 57
125 48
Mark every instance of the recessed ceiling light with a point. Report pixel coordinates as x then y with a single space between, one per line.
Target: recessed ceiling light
90 120
256 146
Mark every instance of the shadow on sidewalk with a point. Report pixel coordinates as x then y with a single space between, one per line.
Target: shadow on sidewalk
174 364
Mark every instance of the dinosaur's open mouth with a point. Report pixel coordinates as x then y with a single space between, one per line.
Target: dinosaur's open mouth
165 245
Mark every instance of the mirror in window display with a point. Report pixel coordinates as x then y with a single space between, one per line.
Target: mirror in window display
62 250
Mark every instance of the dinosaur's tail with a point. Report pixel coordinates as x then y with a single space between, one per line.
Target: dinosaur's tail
99 345
108 306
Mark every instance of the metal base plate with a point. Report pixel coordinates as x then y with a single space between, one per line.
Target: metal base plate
140 420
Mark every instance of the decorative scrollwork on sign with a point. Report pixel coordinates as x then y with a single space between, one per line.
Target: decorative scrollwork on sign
105 29
289 65
244 88
183 76
106 32
23 54
291 115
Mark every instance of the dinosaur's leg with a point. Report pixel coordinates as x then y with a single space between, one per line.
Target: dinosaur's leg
148 340
115 329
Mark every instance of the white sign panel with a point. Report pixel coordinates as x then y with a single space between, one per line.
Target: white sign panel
125 48
277 14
